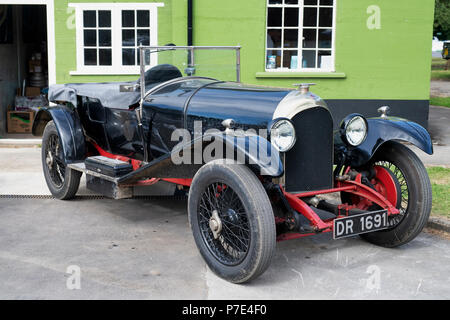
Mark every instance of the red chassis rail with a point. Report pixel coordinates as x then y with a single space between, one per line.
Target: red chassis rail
355 187
136 165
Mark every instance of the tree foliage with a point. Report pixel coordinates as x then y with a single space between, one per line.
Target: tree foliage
442 19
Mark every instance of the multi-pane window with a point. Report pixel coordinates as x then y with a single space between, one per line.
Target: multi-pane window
109 35
135 31
300 35
97 42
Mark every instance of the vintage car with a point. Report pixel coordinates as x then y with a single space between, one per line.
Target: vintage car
258 164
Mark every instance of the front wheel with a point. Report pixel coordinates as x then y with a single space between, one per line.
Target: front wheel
403 180
232 221
62 181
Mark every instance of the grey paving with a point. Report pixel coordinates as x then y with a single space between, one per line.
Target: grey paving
439 128
139 249
142 249
440 88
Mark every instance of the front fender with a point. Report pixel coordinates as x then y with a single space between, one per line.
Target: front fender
250 149
381 130
69 128
189 155
253 150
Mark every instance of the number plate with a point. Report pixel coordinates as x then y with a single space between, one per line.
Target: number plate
360 223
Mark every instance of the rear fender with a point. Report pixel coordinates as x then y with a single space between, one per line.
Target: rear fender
69 129
382 130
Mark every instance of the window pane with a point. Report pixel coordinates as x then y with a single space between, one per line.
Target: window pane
89 19
90 57
291 17
128 57
128 38
104 38
325 61
274 17
310 2
274 38
310 17
105 57
290 59
273 60
326 17
325 38
90 38
127 18
143 18
104 19
275 1
309 38
143 37
326 2
309 59
291 38
291 1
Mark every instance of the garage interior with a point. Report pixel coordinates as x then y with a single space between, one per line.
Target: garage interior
23 67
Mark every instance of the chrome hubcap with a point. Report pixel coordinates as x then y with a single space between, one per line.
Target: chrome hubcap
215 224
49 160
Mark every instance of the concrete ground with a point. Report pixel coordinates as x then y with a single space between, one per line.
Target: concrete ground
439 128
144 249
440 88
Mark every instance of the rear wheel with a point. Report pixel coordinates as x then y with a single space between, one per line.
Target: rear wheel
403 180
232 221
62 181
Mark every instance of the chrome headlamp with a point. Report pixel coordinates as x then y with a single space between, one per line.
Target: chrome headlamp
282 134
354 129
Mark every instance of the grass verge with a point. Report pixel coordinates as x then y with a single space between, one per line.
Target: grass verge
438 64
440 75
440 101
440 183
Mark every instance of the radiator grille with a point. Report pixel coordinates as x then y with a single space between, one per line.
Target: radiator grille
309 164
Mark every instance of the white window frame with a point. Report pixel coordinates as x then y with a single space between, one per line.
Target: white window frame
300 27
116 36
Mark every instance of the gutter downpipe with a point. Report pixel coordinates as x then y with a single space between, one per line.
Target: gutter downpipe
190 38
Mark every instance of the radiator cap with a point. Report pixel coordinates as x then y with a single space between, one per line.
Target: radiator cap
303 87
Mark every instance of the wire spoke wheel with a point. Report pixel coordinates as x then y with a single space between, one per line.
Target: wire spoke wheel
408 186
224 223
62 181
232 221
54 162
402 187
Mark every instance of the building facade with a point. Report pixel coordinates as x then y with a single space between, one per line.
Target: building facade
361 54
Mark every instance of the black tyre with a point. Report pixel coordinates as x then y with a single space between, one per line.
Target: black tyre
415 197
232 221
62 181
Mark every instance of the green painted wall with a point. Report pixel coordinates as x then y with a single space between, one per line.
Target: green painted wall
390 63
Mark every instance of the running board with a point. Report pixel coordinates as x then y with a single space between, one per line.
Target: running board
80 166
103 184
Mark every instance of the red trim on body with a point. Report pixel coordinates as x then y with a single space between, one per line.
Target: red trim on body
136 165
385 195
367 197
